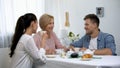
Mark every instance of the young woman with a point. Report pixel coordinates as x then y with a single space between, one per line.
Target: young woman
23 50
46 22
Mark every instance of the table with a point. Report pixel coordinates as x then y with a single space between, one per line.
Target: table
96 62
58 62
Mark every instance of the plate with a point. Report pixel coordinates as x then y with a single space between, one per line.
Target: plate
50 56
86 59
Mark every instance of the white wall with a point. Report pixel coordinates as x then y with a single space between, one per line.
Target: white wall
79 8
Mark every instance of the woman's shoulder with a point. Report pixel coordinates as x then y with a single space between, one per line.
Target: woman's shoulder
26 36
53 33
54 36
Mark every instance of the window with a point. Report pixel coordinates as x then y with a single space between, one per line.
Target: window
10 10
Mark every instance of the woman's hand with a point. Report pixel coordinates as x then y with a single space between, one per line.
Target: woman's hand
83 49
65 49
50 51
44 35
43 40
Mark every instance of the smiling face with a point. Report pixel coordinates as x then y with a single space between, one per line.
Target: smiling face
90 27
46 22
50 25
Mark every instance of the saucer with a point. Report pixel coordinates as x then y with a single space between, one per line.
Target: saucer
50 56
85 59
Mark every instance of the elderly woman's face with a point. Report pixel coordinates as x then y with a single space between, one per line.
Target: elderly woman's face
50 26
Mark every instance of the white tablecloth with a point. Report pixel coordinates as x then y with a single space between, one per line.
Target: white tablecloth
96 62
58 62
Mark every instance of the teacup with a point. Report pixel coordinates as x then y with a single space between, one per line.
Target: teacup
42 32
59 51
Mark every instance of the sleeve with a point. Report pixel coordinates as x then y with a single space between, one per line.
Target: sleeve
110 43
37 40
33 51
78 43
57 41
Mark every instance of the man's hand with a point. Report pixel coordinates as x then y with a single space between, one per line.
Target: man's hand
83 49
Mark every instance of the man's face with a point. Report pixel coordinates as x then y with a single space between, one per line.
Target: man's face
89 26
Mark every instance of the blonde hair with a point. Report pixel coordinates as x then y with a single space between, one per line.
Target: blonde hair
45 20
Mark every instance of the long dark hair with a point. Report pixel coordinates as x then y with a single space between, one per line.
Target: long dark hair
22 23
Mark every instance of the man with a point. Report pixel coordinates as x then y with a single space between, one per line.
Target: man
100 43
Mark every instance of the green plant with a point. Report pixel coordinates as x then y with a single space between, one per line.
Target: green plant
73 37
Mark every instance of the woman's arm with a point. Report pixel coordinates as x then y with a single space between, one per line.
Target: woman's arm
36 38
57 41
34 52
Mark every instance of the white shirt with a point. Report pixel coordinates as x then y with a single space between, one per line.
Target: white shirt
93 43
25 52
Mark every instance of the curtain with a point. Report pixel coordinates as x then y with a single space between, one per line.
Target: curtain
10 10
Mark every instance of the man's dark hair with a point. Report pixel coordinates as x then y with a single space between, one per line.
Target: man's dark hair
93 18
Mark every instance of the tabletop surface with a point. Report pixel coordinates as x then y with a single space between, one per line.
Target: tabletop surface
95 61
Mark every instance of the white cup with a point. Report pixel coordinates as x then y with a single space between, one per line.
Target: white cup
59 51
88 51
42 32
69 53
80 53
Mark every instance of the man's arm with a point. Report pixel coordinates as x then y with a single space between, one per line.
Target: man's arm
71 47
105 51
110 47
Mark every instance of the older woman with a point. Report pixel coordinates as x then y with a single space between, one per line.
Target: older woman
46 22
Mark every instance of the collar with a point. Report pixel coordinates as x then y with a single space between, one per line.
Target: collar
99 36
